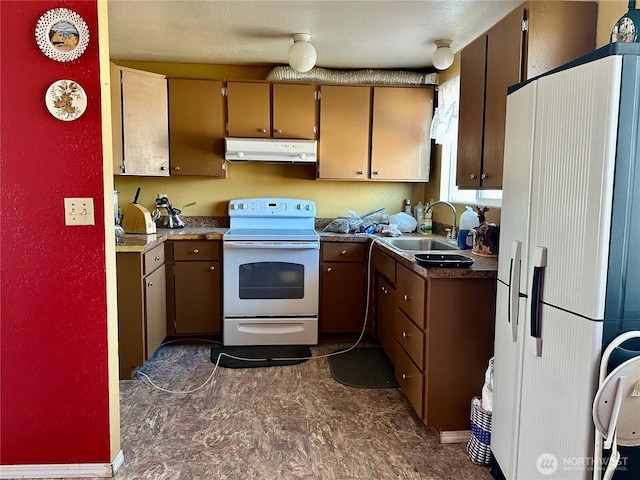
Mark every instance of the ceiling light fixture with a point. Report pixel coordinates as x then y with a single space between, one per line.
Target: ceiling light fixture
302 55
443 56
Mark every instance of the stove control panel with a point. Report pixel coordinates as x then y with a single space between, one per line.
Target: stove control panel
272 207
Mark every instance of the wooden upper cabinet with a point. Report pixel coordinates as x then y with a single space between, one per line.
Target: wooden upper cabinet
343 148
504 52
295 111
248 109
400 136
470 122
140 122
251 107
531 40
196 127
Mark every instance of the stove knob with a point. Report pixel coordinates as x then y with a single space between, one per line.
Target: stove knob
299 206
234 206
307 207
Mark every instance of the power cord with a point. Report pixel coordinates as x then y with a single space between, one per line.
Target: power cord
312 357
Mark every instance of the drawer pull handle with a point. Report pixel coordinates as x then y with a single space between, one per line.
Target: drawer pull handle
405 297
329 269
376 172
212 268
278 131
150 284
360 172
196 251
405 376
343 252
405 335
157 259
384 290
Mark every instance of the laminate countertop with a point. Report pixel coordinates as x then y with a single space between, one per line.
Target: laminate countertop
483 267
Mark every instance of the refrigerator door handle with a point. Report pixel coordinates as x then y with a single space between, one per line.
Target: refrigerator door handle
535 335
514 287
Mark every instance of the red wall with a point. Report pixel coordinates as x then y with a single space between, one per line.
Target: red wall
53 329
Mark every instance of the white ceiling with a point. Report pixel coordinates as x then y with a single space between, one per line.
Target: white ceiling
347 34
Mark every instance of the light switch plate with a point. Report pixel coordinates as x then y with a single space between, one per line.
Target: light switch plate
79 211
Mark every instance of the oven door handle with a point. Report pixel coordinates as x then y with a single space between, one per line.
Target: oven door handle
271 245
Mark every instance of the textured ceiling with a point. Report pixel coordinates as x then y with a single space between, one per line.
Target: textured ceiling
346 34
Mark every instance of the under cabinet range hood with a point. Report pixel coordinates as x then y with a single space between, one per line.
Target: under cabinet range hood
275 150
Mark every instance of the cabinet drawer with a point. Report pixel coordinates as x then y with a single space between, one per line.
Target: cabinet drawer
343 252
410 295
384 264
410 337
189 250
410 378
153 259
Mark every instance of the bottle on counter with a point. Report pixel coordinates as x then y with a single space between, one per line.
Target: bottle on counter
426 224
407 206
418 212
468 221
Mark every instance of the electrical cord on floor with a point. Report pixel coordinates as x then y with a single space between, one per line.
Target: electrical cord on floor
312 357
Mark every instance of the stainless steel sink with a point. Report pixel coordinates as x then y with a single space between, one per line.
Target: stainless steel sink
418 244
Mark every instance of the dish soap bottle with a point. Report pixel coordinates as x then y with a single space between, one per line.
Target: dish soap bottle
468 221
426 225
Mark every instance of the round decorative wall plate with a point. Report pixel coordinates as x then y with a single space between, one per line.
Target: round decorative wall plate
66 100
62 34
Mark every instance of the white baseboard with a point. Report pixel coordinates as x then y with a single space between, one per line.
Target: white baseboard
69 470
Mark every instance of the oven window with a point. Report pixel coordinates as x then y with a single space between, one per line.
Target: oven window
271 280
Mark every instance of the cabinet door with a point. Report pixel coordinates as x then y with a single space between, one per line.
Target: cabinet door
145 127
385 316
342 291
155 298
400 137
197 297
504 60
471 116
196 127
345 116
295 111
248 109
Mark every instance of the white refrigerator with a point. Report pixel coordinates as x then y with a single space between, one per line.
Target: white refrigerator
570 135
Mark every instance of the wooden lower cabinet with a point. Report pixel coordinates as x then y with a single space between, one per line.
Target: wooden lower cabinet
384 300
443 339
342 288
195 287
142 314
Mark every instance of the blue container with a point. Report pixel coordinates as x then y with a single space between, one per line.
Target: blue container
465 239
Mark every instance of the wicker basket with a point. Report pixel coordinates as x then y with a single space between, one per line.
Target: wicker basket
478 446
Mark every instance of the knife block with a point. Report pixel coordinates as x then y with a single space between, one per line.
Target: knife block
137 219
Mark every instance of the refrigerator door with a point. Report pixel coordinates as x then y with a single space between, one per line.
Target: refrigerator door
573 166
573 162
509 327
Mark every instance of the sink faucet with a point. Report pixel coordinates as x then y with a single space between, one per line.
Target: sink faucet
453 233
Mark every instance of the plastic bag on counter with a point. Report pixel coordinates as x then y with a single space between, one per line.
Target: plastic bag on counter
390 230
487 388
405 222
366 223
344 224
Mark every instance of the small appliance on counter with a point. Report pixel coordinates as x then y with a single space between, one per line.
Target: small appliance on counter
173 218
137 219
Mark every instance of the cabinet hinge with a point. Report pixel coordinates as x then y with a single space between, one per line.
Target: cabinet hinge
315 129
224 91
525 25
317 94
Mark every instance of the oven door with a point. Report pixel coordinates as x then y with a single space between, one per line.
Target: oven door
271 279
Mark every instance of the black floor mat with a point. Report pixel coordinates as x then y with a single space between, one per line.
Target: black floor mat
364 367
265 355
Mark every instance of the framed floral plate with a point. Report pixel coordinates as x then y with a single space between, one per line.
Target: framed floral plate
62 34
66 100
